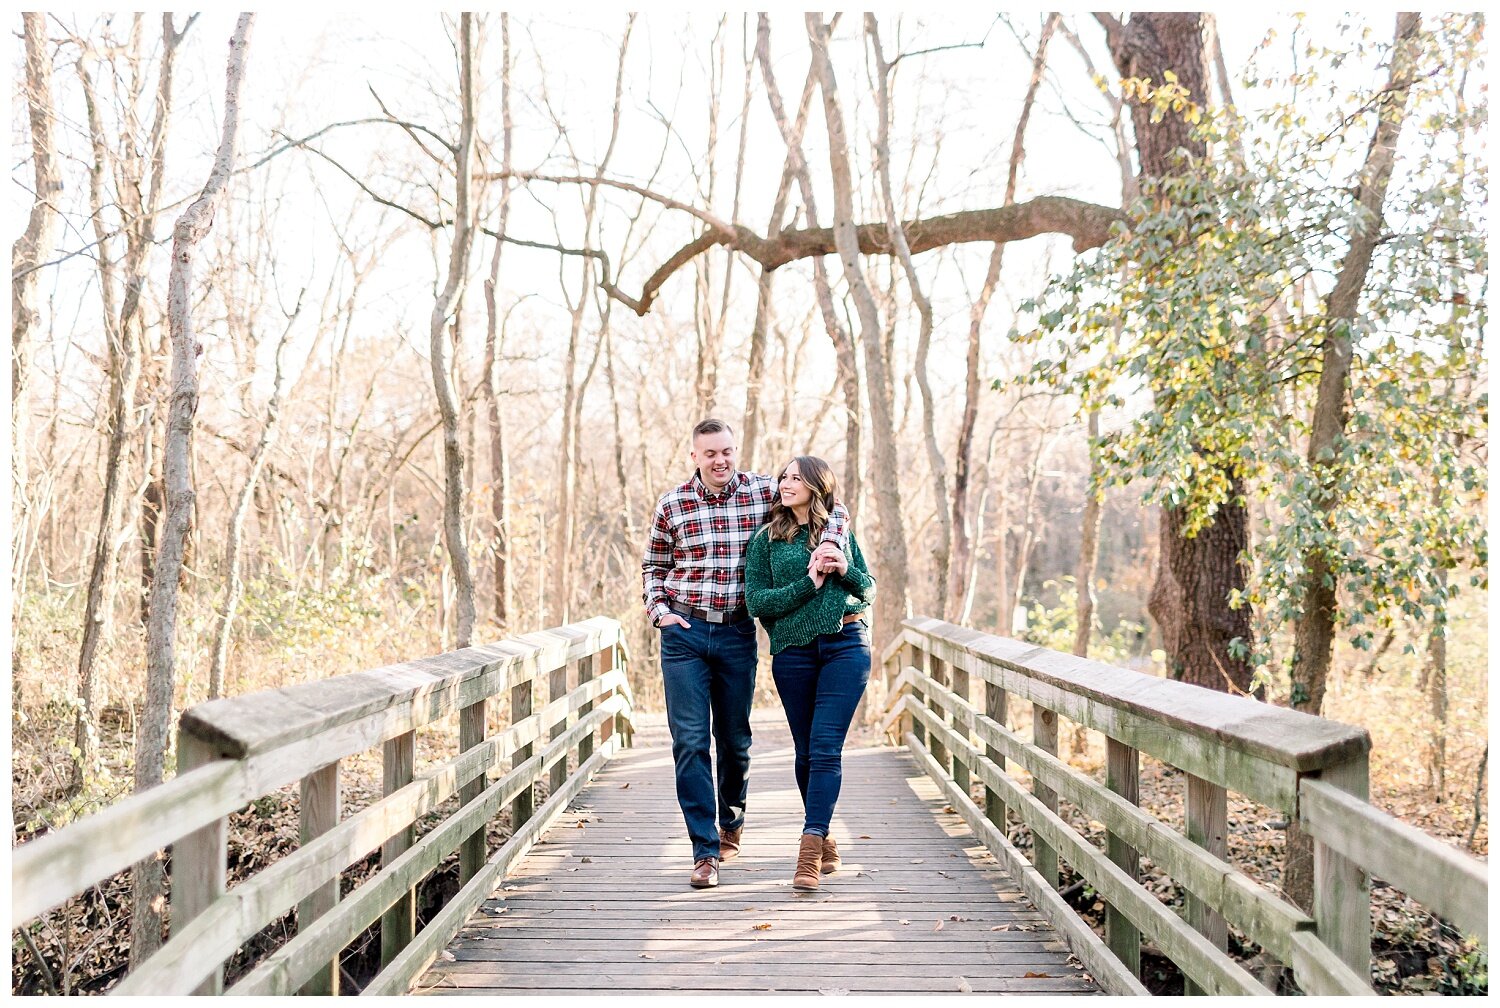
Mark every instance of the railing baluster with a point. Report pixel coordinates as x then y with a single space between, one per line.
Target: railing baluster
474 850
1208 827
938 670
1122 775
198 859
587 669
1044 737
1341 888
398 925
557 687
913 657
994 709
521 695
958 678
320 813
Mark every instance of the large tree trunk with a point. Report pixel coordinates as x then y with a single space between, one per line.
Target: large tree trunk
26 256
843 343
499 467
890 602
1313 652
962 549
1196 575
1088 549
444 309
161 625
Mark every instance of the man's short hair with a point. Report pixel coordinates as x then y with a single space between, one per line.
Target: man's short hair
711 426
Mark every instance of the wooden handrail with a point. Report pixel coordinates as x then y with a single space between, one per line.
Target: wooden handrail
1310 768
236 750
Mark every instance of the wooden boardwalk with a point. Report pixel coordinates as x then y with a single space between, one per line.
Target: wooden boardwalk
601 903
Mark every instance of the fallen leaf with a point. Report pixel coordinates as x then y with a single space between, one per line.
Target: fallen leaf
905 921
647 955
446 956
916 860
1001 927
865 836
963 986
899 889
938 926
761 927
586 860
1028 974
948 808
624 786
580 824
627 839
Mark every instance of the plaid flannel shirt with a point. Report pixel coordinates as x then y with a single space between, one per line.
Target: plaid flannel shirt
695 555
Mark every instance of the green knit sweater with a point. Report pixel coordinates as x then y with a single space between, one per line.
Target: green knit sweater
780 593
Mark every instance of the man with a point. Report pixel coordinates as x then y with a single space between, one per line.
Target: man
694 590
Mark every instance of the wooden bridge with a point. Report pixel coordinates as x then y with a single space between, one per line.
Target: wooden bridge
588 891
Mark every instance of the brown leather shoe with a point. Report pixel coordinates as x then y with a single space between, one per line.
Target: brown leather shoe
705 873
809 863
830 856
729 843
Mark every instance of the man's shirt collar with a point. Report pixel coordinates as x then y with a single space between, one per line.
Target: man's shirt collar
736 480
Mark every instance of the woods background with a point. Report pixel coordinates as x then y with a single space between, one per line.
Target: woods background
1184 310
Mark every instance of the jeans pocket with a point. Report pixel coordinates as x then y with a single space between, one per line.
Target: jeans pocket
745 628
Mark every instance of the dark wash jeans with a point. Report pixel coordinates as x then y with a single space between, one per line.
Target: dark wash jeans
820 685
708 671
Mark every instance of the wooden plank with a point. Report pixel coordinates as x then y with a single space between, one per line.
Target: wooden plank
587 668
1086 945
1442 878
320 810
1341 888
1249 747
399 923
1122 775
522 698
243 726
1044 737
1209 967
994 709
199 860
1319 970
1264 917
1207 825
557 686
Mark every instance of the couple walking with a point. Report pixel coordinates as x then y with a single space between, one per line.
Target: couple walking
728 547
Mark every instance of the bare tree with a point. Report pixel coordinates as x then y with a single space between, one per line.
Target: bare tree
161 626
26 256
891 602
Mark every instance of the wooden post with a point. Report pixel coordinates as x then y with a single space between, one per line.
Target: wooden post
1044 737
1208 827
398 925
1122 775
474 850
588 668
557 687
198 859
320 813
520 710
938 670
994 709
1341 889
959 680
913 657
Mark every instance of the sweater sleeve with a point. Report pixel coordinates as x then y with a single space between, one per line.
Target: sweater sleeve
764 601
857 580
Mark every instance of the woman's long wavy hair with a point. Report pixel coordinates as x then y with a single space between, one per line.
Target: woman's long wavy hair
818 477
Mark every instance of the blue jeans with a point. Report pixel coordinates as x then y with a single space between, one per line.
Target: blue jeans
708 671
820 685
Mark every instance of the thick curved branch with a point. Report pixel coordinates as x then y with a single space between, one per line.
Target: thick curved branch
1088 224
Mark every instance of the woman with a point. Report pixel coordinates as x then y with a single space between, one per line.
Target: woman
820 644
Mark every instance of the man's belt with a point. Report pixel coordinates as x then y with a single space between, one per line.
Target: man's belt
710 615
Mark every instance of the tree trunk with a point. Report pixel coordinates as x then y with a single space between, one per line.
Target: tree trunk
890 602
26 257
942 551
1313 647
148 892
843 343
962 550
1195 576
499 468
1088 548
443 309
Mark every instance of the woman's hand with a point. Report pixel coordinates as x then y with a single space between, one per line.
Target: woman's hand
817 575
828 558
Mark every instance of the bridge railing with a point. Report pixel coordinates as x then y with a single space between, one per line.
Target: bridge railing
950 691
231 752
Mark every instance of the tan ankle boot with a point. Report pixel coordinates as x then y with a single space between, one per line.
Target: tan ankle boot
830 856
809 863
